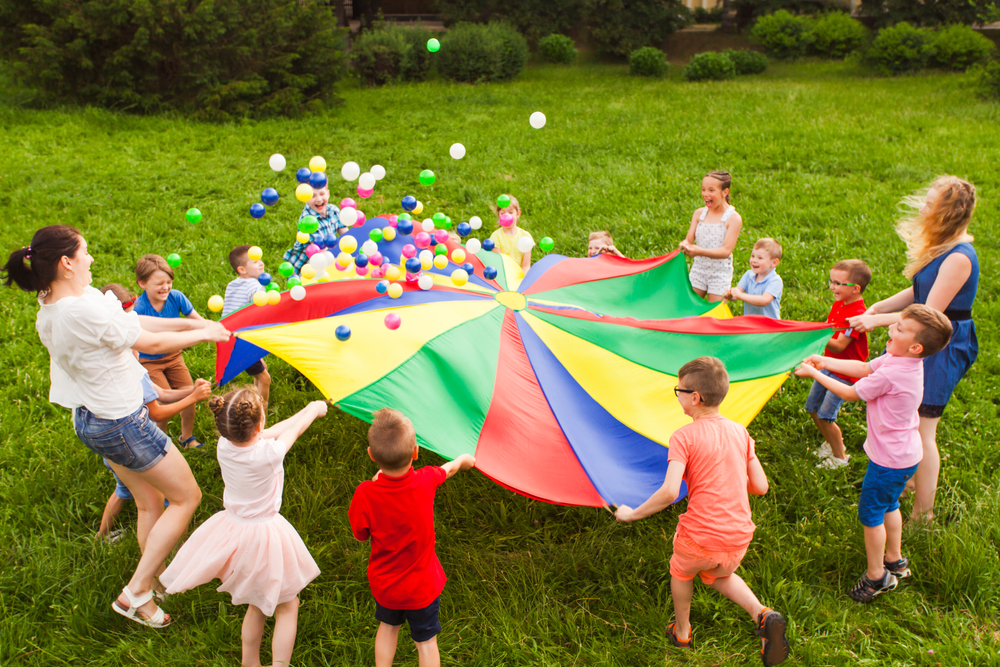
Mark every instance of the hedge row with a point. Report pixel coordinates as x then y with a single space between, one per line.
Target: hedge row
726 65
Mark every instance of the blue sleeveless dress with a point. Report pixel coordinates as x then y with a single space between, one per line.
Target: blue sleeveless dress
943 370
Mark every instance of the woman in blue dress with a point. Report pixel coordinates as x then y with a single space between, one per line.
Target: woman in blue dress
945 271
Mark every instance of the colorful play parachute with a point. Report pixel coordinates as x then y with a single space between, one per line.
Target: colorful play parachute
560 382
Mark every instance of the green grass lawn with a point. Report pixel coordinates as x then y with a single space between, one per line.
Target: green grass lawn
820 155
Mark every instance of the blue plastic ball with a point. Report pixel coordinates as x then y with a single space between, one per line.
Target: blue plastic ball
404 227
490 272
343 332
257 210
409 203
319 240
361 259
469 268
488 245
382 286
434 241
463 229
302 175
330 240
317 180
264 279
269 196
413 265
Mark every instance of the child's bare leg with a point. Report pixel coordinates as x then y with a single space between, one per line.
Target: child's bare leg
832 434
427 653
682 591
926 477
875 549
385 644
262 383
252 634
286 621
713 298
187 422
893 536
700 292
734 588
112 509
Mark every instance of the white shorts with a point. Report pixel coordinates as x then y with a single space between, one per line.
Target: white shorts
713 278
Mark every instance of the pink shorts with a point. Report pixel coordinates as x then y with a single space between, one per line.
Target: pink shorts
689 559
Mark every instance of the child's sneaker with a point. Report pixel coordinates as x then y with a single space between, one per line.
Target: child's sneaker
833 462
824 451
680 643
866 590
899 568
771 629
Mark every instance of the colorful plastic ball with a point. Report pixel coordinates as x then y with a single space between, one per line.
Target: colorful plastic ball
317 163
506 220
308 272
412 277
413 265
440 261
433 45
348 243
463 229
458 255
344 260
426 260
254 253
441 236
377 273
459 277
395 290
378 171
547 244
427 177
369 247
273 298
537 120
419 208
422 240
409 250
193 216
366 181
264 279
503 201
363 193
361 219
375 258
215 303
330 240
475 222
434 241
259 298
174 260
457 151
312 249
404 216
349 216
382 286
361 259
309 224
343 332
392 272
404 227
427 225
273 287
490 272
324 278
292 282
302 237
392 320
304 192
438 218
447 222
317 180
376 235
469 268
350 171
441 249
361 270
425 282
302 175
340 267
297 292
269 196
388 233
347 202
473 246
276 162
409 203
525 244
488 245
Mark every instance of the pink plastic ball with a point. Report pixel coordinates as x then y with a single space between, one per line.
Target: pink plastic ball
364 194
361 219
409 250
393 220
392 321
311 249
422 240
347 202
506 219
375 259
412 277
441 235
339 267
377 272
361 270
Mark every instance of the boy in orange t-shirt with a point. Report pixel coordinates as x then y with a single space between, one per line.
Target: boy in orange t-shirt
715 456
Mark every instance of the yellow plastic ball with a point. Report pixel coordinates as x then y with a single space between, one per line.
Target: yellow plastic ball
273 298
418 209
308 272
325 278
344 259
260 298
440 261
395 290
255 253
458 255
216 302
304 192
426 262
348 244
459 277
317 163
302 237
388 233
393 273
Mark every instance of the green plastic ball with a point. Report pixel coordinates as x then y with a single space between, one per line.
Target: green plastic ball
446 224
405 216
286 269
433 45
503 201
375 235
440 249
309 224
547 244
174 260
438 218
427 177
293 281
273 287
193 216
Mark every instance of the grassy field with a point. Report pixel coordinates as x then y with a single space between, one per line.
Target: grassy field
820 154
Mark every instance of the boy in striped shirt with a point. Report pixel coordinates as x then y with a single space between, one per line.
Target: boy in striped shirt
239 292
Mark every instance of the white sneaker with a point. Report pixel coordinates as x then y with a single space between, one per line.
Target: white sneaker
824 451
833 462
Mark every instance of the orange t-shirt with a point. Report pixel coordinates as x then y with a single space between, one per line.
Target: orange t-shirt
715 452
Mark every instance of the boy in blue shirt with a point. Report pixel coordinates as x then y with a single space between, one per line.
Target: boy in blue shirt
760 287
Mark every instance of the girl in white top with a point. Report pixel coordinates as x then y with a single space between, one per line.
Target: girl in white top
712 237
93 372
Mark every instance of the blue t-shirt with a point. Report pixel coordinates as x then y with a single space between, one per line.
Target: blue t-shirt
175 305
149 393
771 284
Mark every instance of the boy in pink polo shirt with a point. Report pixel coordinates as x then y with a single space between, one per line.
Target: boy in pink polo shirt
396 511
892 385
716 457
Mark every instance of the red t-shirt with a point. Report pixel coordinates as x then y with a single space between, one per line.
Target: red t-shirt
857 349
397 513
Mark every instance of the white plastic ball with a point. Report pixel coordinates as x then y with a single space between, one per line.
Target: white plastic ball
319 262
298 292
476 222
457 151
378 171
366 181
369 247
350 171
277 162
525 244
473 246
426 256
427 225
537 120
349 216
425 282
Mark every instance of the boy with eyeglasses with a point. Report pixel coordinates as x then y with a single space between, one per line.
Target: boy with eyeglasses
848 280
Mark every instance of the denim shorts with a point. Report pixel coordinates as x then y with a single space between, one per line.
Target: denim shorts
823 402
880 492
133 442
424 623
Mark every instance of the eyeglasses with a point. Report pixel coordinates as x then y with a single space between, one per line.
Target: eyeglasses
831 283
678 391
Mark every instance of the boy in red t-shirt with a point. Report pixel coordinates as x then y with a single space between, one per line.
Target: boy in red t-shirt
716 457
848 280
396 510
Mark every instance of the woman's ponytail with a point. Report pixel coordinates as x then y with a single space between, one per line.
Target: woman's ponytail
33 268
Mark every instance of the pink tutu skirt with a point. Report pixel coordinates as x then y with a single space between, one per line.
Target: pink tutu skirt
262 562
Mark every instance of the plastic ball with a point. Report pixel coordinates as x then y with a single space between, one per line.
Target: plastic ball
276 162
361 270
409 203
469 268
537 120
427 177
392 320
174 260
264 279
308 272
463 229
361 260
392 272
413 265
302 175
457 151
488 245
388 233
409 250
426 257
440 261
459 277
273 287
312 249
273 298
395 291
525 244
361 219
490 272
438 218
349 216
382 286
375 235
259 298
298 292
193 216
348 243
377 273
506 220
404 227
422 240
324 277
330 240
292 282
363 193
441 249
343 332
366 181
375 258
458 255
317 180
350 171
369 247
412 277
441 236
433 45
473 246
340 267
317 163
418 209
547 244
309 224
503 201
475 222
302 237
344 260
425 282
216 302
304 192
378 171
427 225
347 202
269 196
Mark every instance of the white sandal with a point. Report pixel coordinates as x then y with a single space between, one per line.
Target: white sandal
157 620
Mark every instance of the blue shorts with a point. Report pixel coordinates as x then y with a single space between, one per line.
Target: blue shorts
120 489
880 492
133 442
424 623
823 402
256 368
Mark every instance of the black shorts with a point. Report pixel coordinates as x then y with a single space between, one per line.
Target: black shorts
257 368
930 411
424 623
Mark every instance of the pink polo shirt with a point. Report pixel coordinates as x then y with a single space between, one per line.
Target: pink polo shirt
893 392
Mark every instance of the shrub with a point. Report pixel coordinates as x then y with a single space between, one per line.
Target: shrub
472 52
748 11
391 54
702 15
747 62
648 61
709 65
931 12
835 34
619 27
532 18
557 49
989 81
783 35
217 60
958 47
900 48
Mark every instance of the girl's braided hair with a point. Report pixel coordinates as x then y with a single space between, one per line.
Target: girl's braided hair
238 413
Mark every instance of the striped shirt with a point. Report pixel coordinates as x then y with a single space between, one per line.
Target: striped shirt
328 224
239 293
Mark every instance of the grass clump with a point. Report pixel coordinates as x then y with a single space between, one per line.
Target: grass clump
709 66
747 62
648 61
557 48
476 53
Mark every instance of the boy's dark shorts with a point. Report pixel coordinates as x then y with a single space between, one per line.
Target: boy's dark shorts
257 368
880 492
424 623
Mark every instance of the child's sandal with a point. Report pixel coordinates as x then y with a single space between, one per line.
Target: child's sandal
157 620
689 643
771 628
191 443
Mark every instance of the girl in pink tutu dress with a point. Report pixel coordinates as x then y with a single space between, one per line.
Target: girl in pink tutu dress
256 553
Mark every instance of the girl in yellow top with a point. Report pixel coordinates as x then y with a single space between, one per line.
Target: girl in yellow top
512 240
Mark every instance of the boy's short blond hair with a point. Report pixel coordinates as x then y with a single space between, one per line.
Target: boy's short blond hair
602 235
150 264
935 328
391 438
770 246
708 377
857 271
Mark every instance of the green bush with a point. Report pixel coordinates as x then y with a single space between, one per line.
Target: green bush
619 27
747 62
473 53
835 35
391 54
901 48
989 80
748 11
702 15
532 18
648 61
216 60
931 12
709 66
959 47
782 34
557 48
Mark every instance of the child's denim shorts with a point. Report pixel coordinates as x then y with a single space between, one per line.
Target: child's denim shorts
133 442
824 402
424 623
880 492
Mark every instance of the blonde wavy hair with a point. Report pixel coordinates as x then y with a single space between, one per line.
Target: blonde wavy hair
944 225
